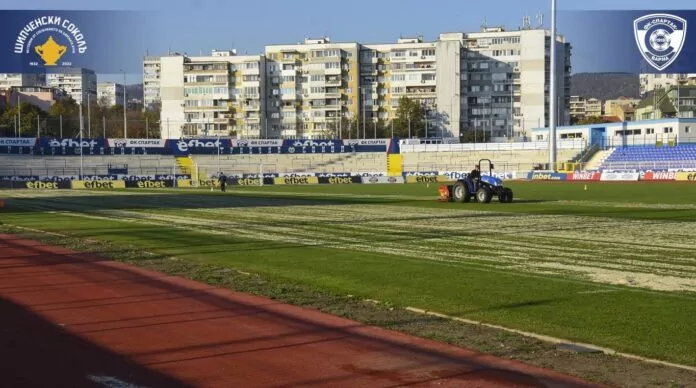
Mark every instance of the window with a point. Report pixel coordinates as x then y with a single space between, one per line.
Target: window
428 52
288 78
317 78
428 77
668 129
398 77
687 130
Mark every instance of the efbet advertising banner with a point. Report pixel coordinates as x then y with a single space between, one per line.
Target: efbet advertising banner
296 180
339 180
686 176
94 185
634 41
40 41
210 146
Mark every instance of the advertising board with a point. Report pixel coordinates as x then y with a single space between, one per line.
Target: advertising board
686 176
620 176
98 184
148 184
547 176
427 179
658 175
296 180
339 180
584 176
382 179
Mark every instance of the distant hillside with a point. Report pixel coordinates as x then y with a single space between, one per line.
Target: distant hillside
605 86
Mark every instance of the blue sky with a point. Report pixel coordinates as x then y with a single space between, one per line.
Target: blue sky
195 26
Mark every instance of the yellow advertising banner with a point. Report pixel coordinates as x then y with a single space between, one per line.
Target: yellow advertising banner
428 179
90 185
686 176
296 180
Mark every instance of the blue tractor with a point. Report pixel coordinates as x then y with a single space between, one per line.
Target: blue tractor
482 190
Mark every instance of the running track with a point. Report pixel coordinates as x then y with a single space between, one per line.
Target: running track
71 320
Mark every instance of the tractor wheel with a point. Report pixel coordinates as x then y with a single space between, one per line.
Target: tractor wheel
508 194
484 195
460 192
503 196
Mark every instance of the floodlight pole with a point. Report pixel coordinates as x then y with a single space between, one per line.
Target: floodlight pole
552 92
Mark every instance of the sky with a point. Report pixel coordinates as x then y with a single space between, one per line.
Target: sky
198 26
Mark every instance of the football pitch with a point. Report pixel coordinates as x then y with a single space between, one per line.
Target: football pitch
608 264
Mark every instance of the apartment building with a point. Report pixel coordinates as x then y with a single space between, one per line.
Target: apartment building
650 82
310 86
493 80
582 107
110 94
151 83
78 83
622 107
220 94
10 80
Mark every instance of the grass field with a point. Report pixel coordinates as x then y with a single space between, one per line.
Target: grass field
613 265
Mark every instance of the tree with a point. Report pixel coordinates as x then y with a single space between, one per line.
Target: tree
409 110
26 121
475 136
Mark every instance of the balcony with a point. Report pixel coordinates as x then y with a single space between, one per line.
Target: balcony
251 107
334 71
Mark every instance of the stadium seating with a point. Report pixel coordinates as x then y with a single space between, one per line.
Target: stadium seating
504 161
301 163
92 165
651 157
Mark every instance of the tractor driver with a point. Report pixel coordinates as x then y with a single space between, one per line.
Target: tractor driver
475 176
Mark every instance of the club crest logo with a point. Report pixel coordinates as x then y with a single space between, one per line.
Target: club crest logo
46 40
660 38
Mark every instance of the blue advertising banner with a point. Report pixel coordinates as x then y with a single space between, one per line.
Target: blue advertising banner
635 41
547 176
37 41
185 147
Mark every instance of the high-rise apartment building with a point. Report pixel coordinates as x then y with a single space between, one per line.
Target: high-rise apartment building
492 81
110 94
310 86
9 80
220 94
78 83
151 83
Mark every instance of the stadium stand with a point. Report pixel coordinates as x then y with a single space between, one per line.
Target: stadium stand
507 157
284 163
33 165
651 157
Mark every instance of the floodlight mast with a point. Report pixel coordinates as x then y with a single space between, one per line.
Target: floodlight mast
552 92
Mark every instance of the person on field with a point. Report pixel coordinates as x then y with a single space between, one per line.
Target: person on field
222 180
475 176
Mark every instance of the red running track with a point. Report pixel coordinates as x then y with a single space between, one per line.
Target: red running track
73 320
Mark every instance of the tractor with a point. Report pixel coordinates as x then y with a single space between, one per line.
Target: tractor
482 190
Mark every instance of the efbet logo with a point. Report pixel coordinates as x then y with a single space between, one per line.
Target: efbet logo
72 143
311 143
184 145
660 38
49 38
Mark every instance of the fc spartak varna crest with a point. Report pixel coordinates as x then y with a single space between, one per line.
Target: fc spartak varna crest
660 38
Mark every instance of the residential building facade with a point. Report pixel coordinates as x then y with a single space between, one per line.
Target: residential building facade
676 101
583 107
110 94
220 94
78 83
493 80
650 81
151 82
10 80
310 86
